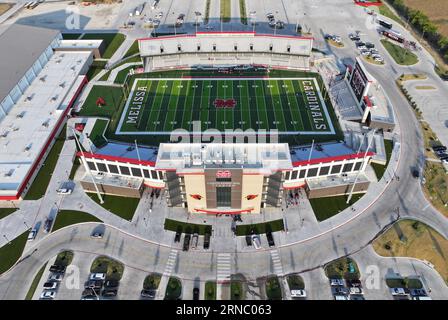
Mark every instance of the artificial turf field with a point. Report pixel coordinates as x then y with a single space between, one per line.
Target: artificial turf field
290 105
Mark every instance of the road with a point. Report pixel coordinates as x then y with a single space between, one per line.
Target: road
348 233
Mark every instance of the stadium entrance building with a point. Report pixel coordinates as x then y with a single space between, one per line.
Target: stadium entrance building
214 49
220 178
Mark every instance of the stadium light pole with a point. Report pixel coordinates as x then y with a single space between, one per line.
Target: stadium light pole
357 175
83 160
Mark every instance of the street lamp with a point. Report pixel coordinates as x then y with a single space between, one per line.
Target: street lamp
4 236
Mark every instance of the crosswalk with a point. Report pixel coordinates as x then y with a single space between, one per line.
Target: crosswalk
171 262
223 267
276 262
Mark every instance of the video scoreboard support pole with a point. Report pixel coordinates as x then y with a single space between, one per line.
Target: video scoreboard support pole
87 167
357 175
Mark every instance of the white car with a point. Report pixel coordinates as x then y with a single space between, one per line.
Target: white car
64 191
50 285
336 282
48 295
98 276
397 291
340 297
55 277
356 290
256 242
32 235
298 294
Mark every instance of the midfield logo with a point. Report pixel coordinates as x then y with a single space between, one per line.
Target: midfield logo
224 103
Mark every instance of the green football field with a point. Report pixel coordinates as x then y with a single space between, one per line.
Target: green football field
290 105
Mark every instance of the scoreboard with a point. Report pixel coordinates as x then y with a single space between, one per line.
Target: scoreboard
358 82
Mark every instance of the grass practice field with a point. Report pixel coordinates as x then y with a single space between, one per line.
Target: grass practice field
290 105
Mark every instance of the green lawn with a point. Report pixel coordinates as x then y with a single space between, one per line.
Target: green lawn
210 290
112 42
121 75
236 290
123 207
4 212
273 289
295 282
152 281
184 227
173 289
11 252
327 207
96 67
225 10
410 283
75 167
340 268
260 228
71 36
64 258
112 97
379 168
243 14
35 282
40 183
385 11
133 49
113 269
401 55
68 217
97 133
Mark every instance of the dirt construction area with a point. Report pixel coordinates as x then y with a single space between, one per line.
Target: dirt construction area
436 10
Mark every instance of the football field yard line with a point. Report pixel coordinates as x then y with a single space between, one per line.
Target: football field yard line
262 107
238 109
230 119
308 122
293 104
212 110
148 100
205 105
156 105
277 106
245 110
179 114
164 107
173 105
219 113
187 114
197 100
290 120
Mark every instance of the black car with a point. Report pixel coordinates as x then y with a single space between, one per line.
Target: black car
439 148
111 284
93 284
196 294
248 240
48 224
57 268
109 292
369 45
186 242
415 173
146 293
270 239
207 240
177 236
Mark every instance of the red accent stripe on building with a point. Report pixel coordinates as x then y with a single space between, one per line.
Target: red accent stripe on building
331 159
154 187
368 4
295 187
47 144
114 158
224 212
368 101
227 32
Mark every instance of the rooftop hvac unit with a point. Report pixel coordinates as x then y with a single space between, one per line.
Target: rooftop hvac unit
28 147
54 98
9 173
42 79
15 129
58 61
62 85
5 134
73 68
46 123
21 114
29 98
